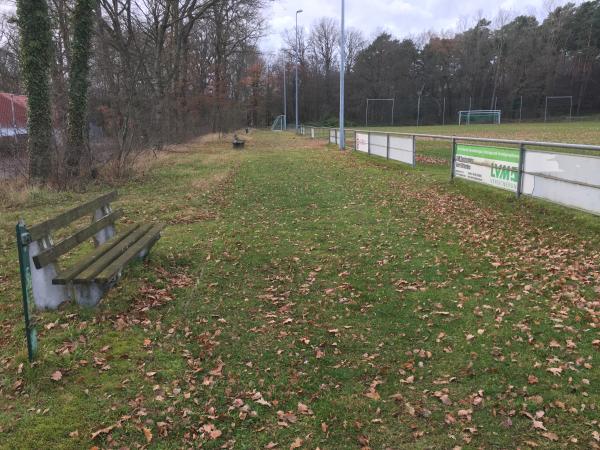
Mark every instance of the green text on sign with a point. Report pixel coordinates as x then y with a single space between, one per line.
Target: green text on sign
500 154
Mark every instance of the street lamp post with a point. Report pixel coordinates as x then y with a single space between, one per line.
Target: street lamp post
284 96
342 136
297 62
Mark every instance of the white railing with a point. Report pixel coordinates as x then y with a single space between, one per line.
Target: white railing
570 178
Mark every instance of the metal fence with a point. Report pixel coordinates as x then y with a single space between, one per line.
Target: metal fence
566 174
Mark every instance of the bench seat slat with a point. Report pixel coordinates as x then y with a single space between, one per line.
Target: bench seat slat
88 275
146 241
67 275
42 229
53 253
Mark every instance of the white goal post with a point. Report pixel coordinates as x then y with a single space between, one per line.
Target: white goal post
569 101
279 124
480 116
372 100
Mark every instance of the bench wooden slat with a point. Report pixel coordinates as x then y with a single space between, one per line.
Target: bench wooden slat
146 241
105 260
83 263
57 250
42 229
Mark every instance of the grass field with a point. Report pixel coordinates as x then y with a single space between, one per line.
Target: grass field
304 298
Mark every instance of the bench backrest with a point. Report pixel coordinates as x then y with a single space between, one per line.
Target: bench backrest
102 217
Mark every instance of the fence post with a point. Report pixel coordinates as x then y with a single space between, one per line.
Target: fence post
521 167
23 240
369 143
453 159
387 146
414 151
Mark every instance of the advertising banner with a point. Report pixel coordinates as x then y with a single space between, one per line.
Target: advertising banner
494 166
402 149
570 180
362 142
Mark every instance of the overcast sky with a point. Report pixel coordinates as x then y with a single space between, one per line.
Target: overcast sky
402 18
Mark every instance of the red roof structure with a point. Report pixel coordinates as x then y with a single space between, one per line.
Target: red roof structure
13 111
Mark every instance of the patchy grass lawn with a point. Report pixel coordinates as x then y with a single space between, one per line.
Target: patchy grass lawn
303 298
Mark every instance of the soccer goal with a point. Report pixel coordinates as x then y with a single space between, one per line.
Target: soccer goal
480 116
380 112
279 124
559 108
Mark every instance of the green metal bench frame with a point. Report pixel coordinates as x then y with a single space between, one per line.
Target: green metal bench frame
88 279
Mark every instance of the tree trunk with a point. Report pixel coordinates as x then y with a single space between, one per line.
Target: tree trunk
83 23
36 44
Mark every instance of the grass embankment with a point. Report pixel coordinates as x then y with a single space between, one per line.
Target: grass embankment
306 298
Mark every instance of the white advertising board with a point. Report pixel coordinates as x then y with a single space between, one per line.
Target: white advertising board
494 166
379 144
402 149
362 142
333 136
571 180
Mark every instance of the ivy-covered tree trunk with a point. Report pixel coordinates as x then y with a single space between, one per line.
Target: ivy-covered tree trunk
36 52
82 25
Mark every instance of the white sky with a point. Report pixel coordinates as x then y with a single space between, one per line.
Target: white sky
402 18
6 6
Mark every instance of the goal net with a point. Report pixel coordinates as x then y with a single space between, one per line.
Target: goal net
559 108
279 124
380 112
481 116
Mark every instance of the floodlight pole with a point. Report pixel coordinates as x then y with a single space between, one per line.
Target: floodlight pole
284 97
521 110
297 63
342 136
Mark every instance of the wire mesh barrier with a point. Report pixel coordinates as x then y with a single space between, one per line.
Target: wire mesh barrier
565 174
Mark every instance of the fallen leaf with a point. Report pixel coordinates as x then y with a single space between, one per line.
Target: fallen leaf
551 436
303 409
296 444
57 376
148 435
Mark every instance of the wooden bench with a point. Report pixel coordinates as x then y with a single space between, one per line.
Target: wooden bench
90 276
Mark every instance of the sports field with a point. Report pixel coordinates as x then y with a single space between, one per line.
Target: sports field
306 298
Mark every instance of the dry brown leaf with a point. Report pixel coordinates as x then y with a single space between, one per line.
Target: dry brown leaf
296 444
148 435
550 435
57 376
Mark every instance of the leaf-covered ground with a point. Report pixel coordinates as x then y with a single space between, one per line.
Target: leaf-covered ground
304 298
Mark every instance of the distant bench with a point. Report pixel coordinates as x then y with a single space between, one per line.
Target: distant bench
88 278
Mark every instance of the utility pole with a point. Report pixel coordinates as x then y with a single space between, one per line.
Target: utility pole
342 136
284 96
297 63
